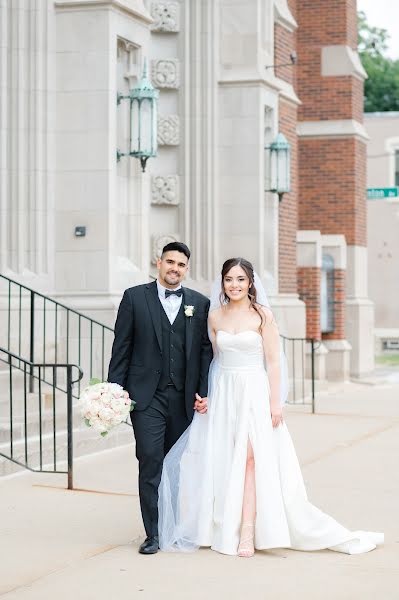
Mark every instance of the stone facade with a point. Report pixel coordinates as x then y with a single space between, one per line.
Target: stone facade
383 227
227 87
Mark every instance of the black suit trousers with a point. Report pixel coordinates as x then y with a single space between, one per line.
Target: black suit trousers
156 430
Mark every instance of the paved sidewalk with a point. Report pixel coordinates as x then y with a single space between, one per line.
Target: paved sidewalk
82 544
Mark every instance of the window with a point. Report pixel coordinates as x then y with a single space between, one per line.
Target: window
327 293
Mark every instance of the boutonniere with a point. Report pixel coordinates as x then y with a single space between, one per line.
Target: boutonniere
189 310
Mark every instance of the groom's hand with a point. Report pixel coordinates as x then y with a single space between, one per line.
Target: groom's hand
201 404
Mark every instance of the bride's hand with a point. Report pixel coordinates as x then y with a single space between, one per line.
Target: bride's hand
277 417
201 404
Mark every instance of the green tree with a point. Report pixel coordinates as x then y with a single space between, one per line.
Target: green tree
381 89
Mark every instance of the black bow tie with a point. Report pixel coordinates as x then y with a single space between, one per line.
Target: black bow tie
178 292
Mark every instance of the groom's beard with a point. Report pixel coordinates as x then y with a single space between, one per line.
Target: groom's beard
173 279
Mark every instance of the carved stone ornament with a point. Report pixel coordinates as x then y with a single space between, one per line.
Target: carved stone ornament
166 73
160 240
169 130
166 16
165 190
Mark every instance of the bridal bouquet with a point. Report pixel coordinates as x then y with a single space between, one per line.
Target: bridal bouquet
104 405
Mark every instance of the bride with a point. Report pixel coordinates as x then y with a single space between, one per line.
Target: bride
232 481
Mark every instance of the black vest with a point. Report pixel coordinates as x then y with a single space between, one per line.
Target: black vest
173 350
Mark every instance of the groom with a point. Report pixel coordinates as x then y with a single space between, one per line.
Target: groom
161 356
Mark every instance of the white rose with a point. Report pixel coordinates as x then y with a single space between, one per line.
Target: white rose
188 310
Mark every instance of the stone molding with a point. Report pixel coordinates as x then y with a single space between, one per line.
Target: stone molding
166 16
134 8
283 15
332 128
341 61
165 190
309 251
169 130
241 78
335 245
166 73
159 240
337 359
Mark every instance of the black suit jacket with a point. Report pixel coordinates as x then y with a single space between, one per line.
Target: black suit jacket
136 361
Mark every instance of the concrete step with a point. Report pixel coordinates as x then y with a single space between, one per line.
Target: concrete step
33 423
85 442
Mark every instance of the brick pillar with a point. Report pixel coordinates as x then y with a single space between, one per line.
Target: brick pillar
284 44
332 152
309 273
285 108
288 208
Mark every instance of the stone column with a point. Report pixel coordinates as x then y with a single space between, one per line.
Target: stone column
100 51
26 141
254 106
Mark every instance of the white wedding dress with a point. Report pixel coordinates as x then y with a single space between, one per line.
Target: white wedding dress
201 491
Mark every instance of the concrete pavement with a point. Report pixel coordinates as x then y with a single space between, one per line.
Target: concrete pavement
82 544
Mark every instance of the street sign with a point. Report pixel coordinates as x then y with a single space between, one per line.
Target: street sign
379 193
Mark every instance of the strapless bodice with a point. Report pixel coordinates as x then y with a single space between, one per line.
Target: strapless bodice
243 350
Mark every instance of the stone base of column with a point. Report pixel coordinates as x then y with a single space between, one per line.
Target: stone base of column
320 357
360 333
337 359
290 314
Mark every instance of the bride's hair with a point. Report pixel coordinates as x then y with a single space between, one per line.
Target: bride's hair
249 271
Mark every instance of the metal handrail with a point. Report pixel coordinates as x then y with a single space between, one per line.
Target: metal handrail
314 344
41 365
50 299
54 315
69 385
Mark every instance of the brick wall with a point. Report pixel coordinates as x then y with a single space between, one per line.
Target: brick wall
321 25
328 98
284 44
293 8
309 291
332 187
288 209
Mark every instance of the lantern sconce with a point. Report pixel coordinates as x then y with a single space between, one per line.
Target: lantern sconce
143 120
279 166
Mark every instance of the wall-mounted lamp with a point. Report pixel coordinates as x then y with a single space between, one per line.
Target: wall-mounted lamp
279 166
143 120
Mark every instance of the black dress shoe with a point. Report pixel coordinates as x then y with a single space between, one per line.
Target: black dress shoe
150 545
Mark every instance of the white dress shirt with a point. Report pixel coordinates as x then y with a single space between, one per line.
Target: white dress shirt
171 304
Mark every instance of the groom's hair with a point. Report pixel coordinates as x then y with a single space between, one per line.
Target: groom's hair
176 246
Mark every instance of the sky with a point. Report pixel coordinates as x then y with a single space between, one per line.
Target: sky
384 14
